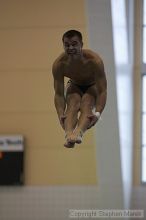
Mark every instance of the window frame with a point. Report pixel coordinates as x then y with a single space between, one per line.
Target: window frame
143 74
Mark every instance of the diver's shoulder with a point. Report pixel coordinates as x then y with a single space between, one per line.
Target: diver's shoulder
60 60
92 57
91 54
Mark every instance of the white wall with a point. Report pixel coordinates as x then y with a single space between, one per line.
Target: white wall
107 134
123 45
115 133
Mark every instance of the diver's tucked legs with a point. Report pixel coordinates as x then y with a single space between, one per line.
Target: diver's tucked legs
86 107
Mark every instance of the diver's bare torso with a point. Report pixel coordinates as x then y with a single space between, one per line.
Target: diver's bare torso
80 71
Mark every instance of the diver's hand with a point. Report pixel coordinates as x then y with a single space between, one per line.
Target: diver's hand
93 118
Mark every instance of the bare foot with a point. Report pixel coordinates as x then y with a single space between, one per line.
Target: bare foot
76 136
69 143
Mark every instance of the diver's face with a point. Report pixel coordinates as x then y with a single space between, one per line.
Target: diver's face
72 46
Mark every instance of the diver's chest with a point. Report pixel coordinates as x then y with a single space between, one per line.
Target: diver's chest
84 72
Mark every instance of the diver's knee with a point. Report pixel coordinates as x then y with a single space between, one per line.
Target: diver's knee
86 106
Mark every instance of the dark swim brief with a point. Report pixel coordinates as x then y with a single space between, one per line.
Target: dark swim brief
83 88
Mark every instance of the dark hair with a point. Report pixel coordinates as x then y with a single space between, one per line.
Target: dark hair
72 33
